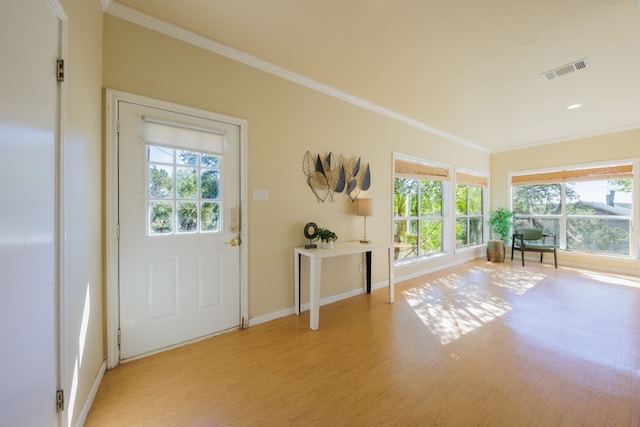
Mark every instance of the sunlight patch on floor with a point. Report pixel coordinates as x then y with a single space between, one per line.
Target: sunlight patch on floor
614 279
449 312
515 280
455 305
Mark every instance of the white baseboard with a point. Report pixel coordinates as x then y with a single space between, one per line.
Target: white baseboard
305 307
433 269
270 316
84 413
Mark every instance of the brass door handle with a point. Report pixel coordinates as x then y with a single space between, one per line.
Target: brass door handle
233 242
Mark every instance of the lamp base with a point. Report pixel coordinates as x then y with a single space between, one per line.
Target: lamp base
365 241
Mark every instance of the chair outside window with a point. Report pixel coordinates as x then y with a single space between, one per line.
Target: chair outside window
534 240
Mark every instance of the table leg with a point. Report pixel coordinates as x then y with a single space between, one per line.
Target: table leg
391 277
368 265
314 292
296 282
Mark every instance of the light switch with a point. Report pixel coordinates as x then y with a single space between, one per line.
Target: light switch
260 194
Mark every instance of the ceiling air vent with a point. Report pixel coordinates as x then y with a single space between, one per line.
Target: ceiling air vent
566 69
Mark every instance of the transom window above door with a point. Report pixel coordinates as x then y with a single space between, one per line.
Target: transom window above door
184 191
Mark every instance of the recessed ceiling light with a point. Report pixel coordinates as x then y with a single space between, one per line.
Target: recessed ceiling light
574 106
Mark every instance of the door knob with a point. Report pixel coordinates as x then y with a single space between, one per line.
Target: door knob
233 242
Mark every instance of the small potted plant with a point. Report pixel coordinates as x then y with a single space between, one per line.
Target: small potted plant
326 237
500 228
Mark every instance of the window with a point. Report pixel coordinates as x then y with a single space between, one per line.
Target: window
589 209
469 209
184 192
418 209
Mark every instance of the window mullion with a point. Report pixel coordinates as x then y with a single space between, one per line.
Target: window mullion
563 217
419 213
468 218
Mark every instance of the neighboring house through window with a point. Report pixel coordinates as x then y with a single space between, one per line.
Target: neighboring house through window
589 209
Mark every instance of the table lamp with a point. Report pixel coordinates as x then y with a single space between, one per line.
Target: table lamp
364 207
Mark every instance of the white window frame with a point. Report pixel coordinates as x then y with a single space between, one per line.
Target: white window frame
634 232
485 207
447 226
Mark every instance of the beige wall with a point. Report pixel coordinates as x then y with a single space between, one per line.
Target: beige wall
611 147
83 203
284 121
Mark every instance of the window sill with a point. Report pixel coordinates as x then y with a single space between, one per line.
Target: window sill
417 260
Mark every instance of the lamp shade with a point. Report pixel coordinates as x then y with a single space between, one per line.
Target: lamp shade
364 207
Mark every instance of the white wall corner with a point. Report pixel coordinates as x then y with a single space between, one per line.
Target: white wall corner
84 412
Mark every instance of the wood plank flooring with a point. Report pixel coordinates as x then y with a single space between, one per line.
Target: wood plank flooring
482 344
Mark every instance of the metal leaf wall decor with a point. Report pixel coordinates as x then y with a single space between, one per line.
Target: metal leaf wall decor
328 175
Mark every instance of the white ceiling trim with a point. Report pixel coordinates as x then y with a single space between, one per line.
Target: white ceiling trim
146 21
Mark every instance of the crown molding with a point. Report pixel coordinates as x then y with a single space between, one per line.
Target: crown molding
124 12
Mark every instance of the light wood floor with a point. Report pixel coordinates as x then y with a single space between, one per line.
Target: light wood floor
479 345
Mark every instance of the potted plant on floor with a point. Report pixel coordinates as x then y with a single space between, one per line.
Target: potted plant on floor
499 231
326 237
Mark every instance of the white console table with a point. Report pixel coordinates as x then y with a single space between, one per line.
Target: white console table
315 263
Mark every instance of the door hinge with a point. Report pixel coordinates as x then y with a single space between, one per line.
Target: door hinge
117 125
119 337
60 70
117 231
59 400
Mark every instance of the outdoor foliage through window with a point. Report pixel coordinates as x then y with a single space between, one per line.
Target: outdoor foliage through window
469 219
418 217
184 194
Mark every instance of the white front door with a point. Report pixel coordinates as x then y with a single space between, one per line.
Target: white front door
179 199
30 43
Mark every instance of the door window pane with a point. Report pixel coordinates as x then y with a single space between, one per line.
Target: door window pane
210 183
160 217
180 181
210 160
160 182
160 154
187 183
186 158
187 217
210 216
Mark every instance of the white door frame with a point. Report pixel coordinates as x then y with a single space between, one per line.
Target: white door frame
112 293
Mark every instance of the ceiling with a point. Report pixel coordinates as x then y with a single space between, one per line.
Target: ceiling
468 70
